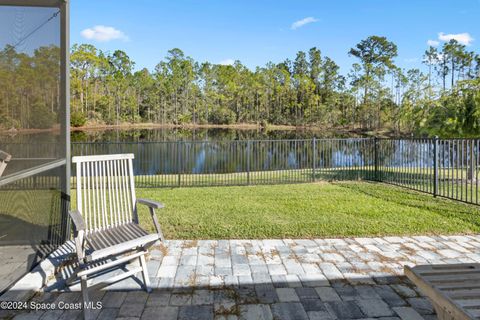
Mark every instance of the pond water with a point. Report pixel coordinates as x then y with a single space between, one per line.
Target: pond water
45 147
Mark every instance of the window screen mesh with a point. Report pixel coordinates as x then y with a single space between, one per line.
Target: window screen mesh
30 108
32 205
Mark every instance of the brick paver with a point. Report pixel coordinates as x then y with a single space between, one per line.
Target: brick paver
353 278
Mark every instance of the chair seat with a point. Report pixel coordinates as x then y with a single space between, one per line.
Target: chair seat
115 240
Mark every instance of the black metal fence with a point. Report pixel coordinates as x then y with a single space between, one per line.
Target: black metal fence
213 163
441 167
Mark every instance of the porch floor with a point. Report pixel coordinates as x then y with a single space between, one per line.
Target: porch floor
351 278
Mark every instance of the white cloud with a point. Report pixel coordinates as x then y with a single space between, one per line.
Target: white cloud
103 34
227 62
433 43
463 38
411 60
303 22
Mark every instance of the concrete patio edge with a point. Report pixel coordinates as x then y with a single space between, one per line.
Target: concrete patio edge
35 280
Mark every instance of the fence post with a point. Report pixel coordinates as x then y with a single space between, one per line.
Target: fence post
179 163
435 166
472 170
375 157
314 144
248 161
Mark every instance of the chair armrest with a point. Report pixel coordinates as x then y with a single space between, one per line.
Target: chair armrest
79 233
5 157
151 203
77 220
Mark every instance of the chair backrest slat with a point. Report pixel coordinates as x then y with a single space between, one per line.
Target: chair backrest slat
132 187
104 196
128 190
119 193
95 194
113 218
105 190
122 190
88 207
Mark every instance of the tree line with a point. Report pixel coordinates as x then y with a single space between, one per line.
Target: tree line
307 91
29 88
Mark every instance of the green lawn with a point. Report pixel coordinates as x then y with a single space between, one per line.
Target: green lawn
305 211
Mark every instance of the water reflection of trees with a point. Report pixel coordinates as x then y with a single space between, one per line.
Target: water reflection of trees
193 134
207 157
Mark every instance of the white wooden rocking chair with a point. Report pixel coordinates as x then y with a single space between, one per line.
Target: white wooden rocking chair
4 159
107 233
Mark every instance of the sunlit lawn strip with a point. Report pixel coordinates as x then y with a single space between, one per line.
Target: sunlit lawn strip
341 209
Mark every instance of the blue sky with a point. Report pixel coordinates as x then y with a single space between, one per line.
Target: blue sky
258 31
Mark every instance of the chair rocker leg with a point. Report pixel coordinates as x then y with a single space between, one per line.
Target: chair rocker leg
85 298
146 279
